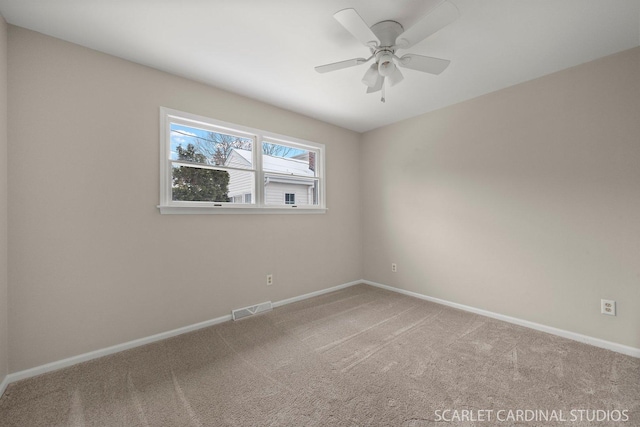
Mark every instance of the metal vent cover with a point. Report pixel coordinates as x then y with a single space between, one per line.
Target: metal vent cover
251 310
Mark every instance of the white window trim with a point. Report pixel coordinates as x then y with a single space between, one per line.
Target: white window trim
168 206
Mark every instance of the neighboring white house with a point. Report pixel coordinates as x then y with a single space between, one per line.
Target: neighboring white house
287 181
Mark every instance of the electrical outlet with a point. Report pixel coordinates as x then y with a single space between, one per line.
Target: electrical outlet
394 267
269 279
608 307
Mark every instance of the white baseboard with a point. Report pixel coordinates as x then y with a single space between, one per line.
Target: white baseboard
54 366
597 342
3 385
315 294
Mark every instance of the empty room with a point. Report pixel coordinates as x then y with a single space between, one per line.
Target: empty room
311 213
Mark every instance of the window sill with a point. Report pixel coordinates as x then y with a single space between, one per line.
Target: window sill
211 210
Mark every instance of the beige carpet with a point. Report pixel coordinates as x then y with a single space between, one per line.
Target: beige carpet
360 356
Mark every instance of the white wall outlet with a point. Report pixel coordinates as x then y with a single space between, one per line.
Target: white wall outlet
269 279
394 267
608 307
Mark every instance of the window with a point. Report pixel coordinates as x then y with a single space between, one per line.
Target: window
208 166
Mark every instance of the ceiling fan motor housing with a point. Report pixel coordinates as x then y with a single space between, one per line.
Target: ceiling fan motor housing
387 32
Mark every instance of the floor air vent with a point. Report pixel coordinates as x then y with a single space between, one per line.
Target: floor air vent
250 311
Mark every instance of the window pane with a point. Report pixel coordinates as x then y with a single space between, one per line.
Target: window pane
207 163
289 198
210 148
284 190
209 185
241 186
288 160
201 185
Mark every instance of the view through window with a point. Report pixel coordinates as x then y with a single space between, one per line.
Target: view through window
214 164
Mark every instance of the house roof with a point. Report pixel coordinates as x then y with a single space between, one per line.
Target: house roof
277 164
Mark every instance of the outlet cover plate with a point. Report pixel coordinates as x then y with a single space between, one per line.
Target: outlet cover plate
608 307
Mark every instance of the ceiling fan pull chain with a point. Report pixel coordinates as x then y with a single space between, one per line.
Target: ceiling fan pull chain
383 86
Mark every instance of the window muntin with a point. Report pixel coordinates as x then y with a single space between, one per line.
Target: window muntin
207 164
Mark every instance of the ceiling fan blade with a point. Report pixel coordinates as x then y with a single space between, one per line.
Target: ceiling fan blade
353 23
377 86
340 65
425 64
435 20
395 77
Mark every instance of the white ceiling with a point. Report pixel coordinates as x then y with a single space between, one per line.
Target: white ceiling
267 49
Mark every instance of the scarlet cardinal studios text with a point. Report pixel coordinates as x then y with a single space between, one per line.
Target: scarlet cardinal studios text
530 415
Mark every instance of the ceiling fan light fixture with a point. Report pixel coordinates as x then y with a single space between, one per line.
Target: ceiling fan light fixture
395 78
386 66
371 76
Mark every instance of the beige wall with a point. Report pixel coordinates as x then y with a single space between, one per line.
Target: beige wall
3 202
524 202
93 263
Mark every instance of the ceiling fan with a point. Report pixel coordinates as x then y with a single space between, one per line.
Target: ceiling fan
385 38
